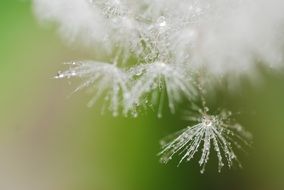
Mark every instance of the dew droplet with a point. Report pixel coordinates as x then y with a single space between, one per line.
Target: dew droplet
73 73
206 109
162 21
139 73
59 75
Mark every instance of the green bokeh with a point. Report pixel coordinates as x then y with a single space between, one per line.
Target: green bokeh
52 141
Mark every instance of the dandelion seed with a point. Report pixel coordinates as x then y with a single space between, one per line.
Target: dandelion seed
59 75
212 131
108 81
157 80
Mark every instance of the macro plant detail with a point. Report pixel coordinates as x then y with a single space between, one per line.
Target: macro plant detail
217 131
163 48
109 80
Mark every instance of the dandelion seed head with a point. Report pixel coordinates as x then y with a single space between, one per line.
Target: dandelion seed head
157 45
223 37
232 33
212 132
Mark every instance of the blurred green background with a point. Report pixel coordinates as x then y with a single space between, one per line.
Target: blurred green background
50 141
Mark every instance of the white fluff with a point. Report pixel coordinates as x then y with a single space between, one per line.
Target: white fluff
224 36
195 37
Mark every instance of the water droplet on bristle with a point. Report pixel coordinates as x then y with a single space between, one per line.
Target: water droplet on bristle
59 75
162 21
